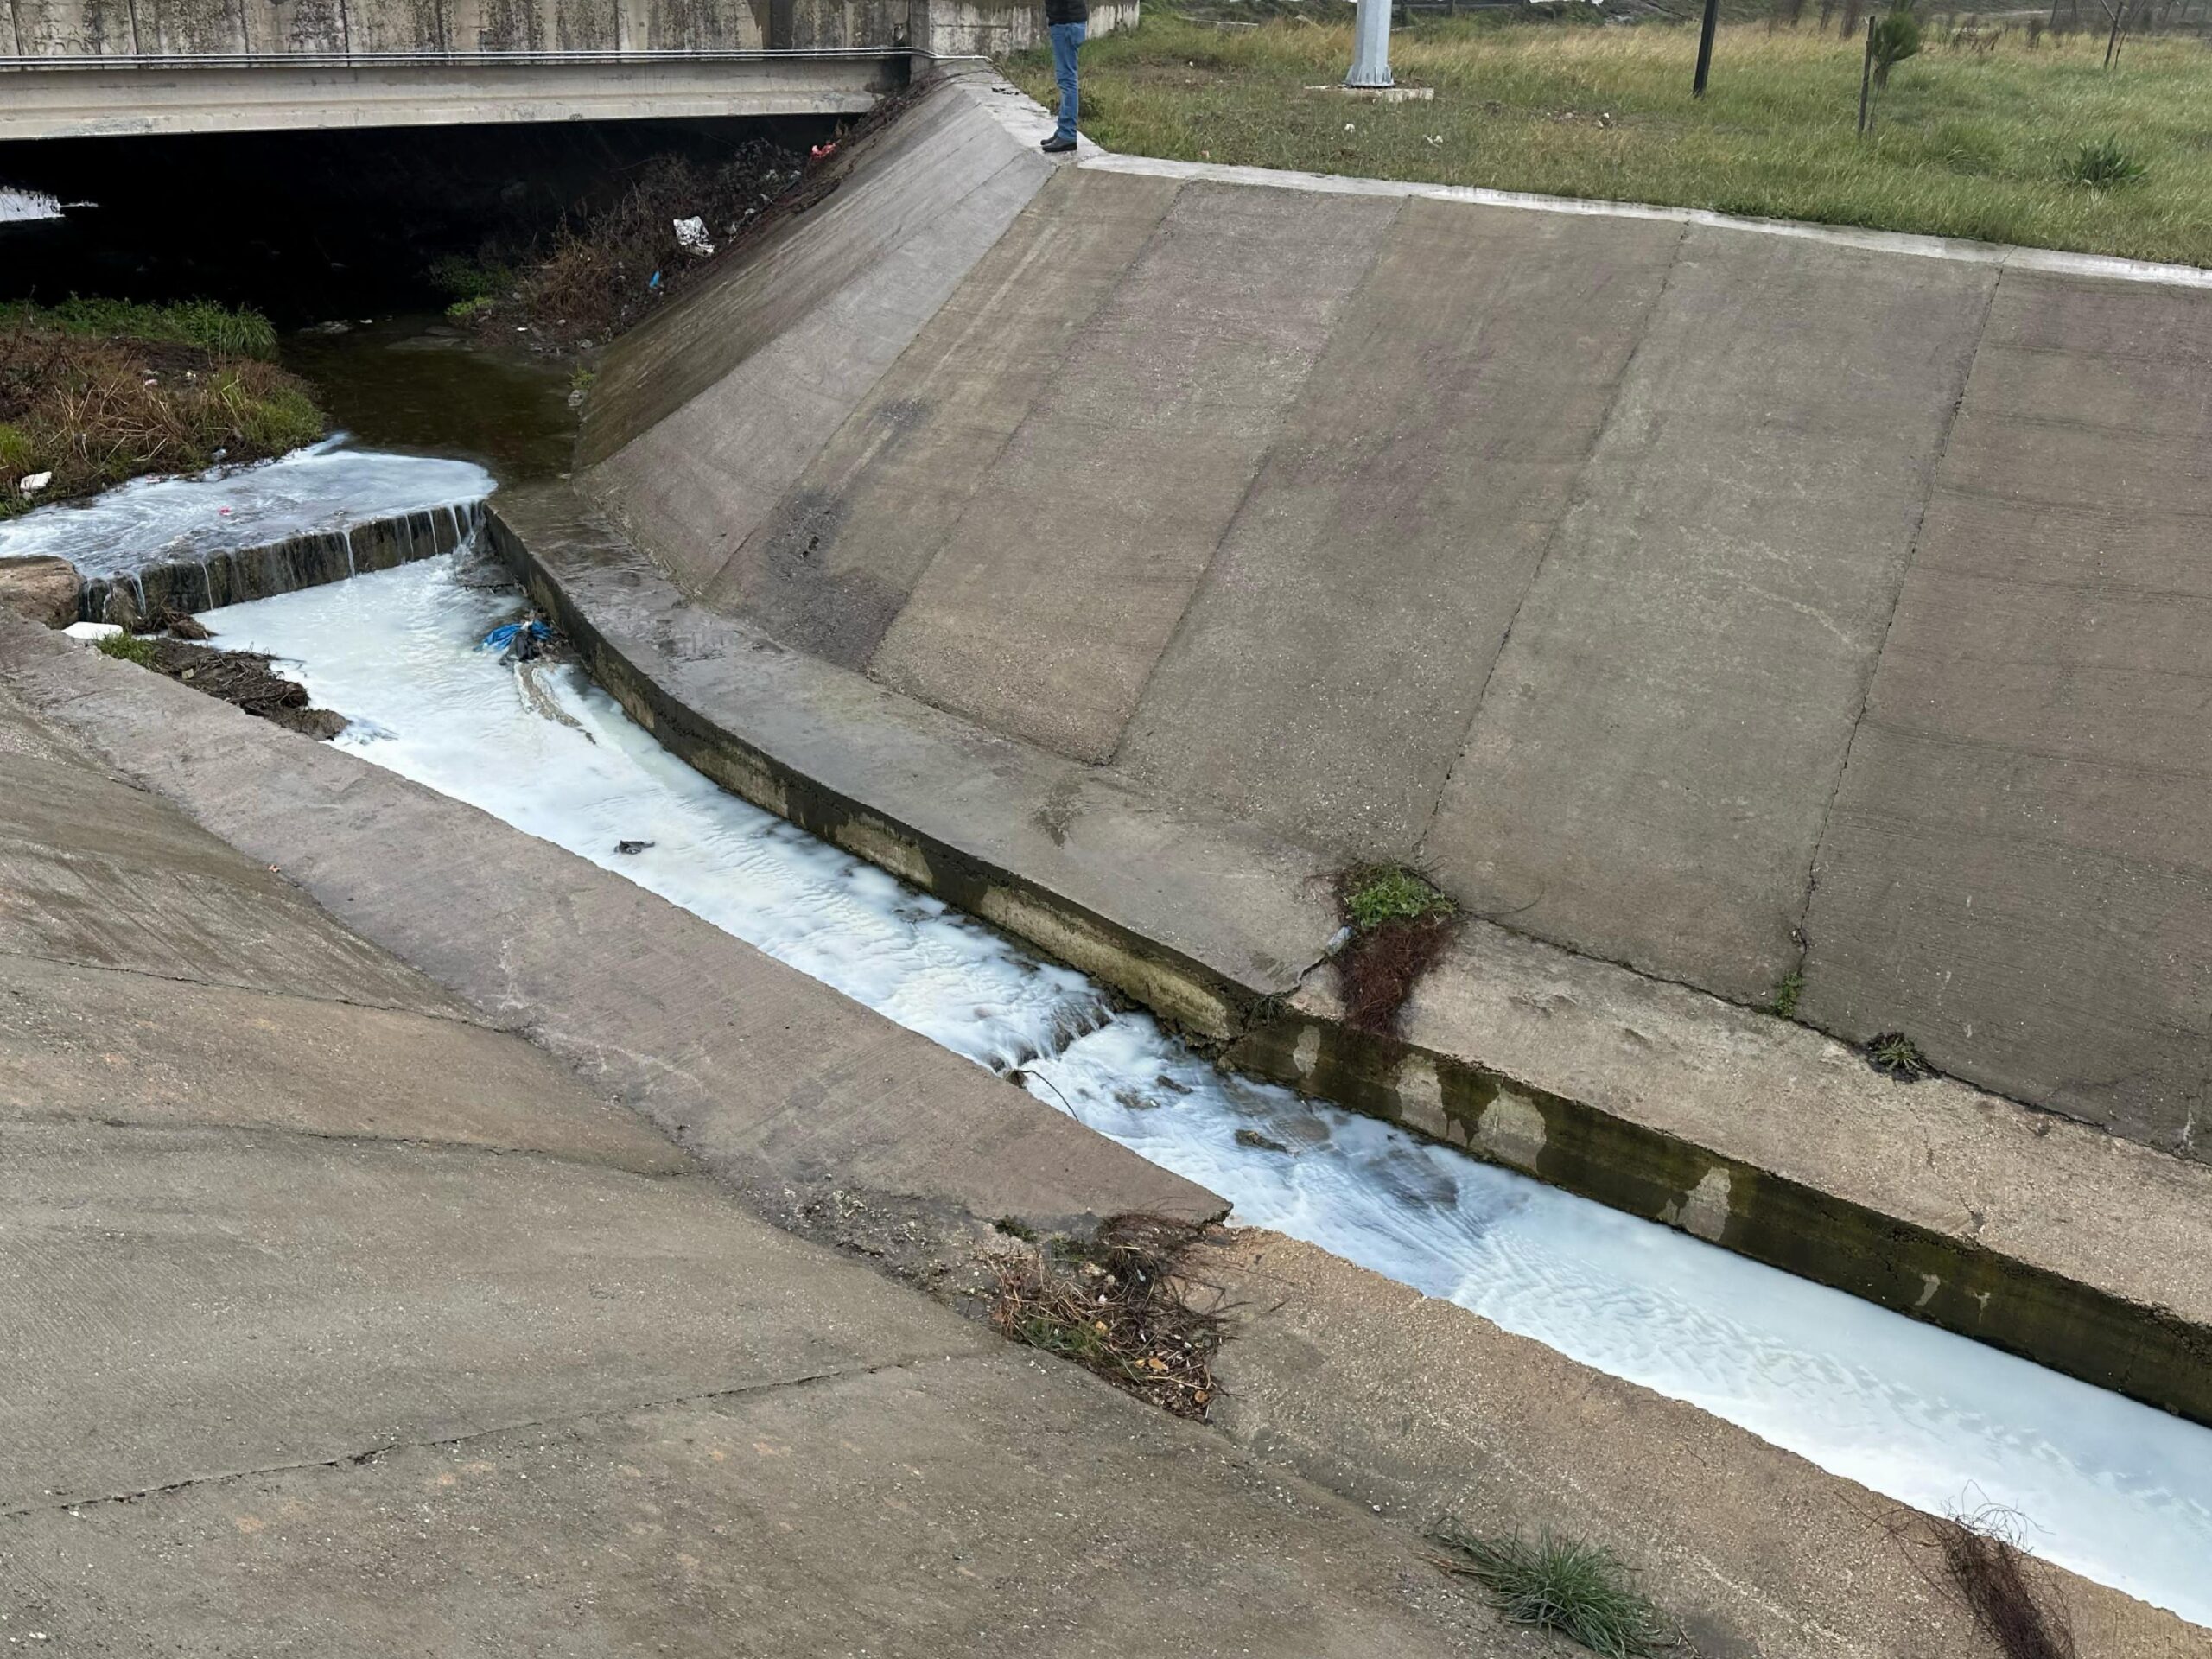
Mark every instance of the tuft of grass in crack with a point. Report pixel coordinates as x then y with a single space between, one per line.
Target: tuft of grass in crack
1376 894
1896 1055
1784 1006
1400 922
1582 1591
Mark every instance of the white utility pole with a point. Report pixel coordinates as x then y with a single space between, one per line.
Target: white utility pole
1371 46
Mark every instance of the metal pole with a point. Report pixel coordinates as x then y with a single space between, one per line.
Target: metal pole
1866 77
1704 46
1371 46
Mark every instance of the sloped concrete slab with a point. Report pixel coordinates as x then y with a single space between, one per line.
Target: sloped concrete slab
717 406
100 1046
999 1506
1648 774
1044 612
193 1303
773 1080
831 570
1324 679
2018 869
95 873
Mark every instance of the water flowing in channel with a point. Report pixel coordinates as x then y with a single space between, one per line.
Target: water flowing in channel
2114 1490
324 489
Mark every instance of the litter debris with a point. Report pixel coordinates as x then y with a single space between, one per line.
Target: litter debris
32 483
654 281
522 641
691 236
821 151
628 847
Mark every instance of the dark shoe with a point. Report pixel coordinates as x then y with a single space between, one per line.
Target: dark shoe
1057 145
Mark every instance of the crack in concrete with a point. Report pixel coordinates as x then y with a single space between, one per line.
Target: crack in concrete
369 1454
366 1138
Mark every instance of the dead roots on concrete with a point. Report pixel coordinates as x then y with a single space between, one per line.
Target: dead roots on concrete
1976 1558
1124 1307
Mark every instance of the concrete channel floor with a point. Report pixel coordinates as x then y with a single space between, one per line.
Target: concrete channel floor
343 1323
445 1251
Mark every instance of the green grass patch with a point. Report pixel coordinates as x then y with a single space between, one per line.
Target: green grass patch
1973 143
1784 1006
470 309
219 330
1379 894
459 277
129 648
1582 1592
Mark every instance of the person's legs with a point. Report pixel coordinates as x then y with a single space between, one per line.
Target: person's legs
1067 38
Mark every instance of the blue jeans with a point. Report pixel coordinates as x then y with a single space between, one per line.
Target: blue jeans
1066 37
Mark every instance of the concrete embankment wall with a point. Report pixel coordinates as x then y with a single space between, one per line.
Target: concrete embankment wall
1781 614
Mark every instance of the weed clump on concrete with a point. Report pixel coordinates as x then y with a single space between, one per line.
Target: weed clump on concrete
1123 1307
1895 1055
129 648
1784 1006
1399 924
1582 1591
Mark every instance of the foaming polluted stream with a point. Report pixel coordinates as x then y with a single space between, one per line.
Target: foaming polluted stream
2112 1489
325 487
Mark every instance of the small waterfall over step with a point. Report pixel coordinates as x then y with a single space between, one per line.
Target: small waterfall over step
317 515
234 575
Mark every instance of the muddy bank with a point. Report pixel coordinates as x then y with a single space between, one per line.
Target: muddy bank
94 393
242 678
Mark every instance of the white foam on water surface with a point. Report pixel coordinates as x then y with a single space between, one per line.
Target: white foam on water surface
2115 1490
325 487
19 206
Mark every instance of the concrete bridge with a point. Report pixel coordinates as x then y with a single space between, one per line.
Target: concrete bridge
104 69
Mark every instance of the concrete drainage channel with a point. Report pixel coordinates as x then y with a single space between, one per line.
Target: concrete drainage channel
2115 1490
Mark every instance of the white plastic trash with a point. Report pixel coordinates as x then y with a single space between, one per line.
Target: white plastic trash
691 235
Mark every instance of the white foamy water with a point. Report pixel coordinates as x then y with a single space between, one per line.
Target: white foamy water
311 491
18 207
2115 1490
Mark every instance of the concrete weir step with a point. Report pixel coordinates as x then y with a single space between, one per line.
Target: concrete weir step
281 566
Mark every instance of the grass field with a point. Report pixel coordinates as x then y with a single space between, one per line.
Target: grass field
1966 143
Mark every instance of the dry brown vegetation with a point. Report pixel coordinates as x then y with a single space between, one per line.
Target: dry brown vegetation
95 407
1124 1307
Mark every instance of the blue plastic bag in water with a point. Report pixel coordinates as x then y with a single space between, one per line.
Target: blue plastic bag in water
501 637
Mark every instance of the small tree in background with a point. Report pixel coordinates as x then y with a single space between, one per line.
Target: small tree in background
1896 37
